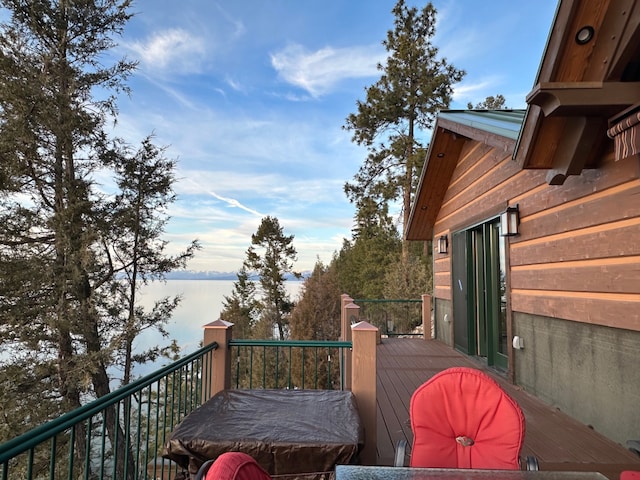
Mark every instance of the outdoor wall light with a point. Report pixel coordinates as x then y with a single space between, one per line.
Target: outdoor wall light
585 34
509 222
443 244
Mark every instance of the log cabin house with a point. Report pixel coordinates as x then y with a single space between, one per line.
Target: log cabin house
534 217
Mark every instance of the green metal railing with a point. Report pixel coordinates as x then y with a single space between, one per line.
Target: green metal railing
121 435
293 364
118 436
393 317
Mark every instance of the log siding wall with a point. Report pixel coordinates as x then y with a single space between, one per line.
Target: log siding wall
577 256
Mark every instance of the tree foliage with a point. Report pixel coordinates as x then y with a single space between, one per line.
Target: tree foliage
415 84
72 255
317 313
271 256
241 308
490 103
317 317
136 251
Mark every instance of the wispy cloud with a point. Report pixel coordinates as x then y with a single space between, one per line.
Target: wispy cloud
469 91
173 49
232 202
234 84
237 26
319 71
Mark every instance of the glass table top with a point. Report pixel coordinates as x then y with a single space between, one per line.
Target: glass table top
355 472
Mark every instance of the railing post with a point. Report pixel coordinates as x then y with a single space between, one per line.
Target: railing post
426 316
345 324
217 372
364 385
345 334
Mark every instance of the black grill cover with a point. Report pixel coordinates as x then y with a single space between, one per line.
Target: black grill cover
286 431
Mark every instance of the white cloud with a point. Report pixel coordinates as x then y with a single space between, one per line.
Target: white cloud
317 72
286 190
470 91
173 49
234 84
232 202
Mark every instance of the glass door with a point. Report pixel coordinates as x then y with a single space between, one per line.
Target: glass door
460 270
479 293
496 299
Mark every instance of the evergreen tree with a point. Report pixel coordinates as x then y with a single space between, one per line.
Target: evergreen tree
489 103
415 84
241 308
51 141
63 246
135 250
271 256
362 262
407 279
317 317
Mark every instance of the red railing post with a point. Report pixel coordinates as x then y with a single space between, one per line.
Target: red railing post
364 385
345 336
217 372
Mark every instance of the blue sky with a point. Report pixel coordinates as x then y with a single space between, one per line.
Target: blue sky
250 97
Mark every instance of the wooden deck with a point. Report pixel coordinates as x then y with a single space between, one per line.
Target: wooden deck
558 441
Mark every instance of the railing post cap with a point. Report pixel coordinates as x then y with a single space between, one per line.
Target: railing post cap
352 305
363 326
219 323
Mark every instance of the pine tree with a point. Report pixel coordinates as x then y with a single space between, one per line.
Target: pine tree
271 256
135 250
415 84
60 259
51 141
490 103
241 307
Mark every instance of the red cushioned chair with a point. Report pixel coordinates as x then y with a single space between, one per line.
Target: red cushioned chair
461 418
232 466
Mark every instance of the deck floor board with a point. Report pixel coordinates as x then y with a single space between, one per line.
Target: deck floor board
557 440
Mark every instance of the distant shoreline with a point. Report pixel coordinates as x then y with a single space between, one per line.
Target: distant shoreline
191 275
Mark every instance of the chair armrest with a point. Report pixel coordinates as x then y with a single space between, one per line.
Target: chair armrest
401 448
202 471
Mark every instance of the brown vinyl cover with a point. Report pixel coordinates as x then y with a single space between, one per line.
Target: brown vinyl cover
286 431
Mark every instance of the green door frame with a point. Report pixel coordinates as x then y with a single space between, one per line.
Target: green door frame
485 292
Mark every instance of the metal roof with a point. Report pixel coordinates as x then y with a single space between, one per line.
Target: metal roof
506 123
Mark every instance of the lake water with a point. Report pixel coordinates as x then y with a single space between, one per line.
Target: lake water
202 302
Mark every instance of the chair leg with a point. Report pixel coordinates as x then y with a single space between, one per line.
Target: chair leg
401 448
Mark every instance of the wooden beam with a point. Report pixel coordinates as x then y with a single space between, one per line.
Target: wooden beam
580 98
442 159
579 139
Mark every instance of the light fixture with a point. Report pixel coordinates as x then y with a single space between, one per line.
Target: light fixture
509 222
443 244
585 34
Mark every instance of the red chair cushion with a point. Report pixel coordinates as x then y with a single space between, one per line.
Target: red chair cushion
630 475
461 418
236 466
